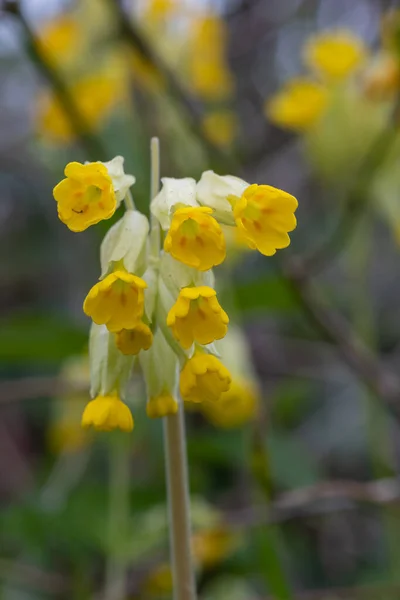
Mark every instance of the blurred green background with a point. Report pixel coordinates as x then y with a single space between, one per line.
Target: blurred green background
299 496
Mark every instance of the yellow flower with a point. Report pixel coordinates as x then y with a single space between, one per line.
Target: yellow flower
298 105
94 98
132 341
159 581
212 546
235 407
335 54
207 73
220 126
204 377
197 317
86 196
59 39
117 301
195 238
265 215
162 405
106 413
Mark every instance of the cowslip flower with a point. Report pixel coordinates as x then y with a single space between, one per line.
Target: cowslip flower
197 317
106 413
195 238
86 196
158 308
265 215
204 377
117 301
162 405
132 341
91 192
334 55
298 105
60 39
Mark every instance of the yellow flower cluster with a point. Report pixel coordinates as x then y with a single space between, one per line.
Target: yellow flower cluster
332 57
159 306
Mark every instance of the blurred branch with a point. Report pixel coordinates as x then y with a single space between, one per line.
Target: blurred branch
334 327
326 497
132 34
90 142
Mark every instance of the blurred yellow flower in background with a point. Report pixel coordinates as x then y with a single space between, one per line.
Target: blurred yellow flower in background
220 127
144 74
59 40
95 96
334 55
159 581
236 406
160 9
207 71
65 433
298 105
212 546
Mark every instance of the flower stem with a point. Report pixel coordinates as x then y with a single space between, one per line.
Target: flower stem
118 516
175 449
179 513
129 203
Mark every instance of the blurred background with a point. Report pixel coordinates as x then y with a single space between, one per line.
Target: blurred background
295 478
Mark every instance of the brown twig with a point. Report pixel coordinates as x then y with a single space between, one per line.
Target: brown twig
365 364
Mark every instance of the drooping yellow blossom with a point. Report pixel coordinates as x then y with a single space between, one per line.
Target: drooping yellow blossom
299 104
208 74
334 55
86 196
132 341
58 40
195 238
94 98
197 317
161 406
236 406
204 377
220 126
117 301
212 546
265 215
106 413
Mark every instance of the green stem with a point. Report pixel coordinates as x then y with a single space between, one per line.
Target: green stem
176 471
179 512
118 517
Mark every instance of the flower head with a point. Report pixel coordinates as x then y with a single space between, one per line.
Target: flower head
204 377
86 196
161 406
298 105
117 301
60 39
106 413
197 317
335 54
236 406
132 341
265 215
195 238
